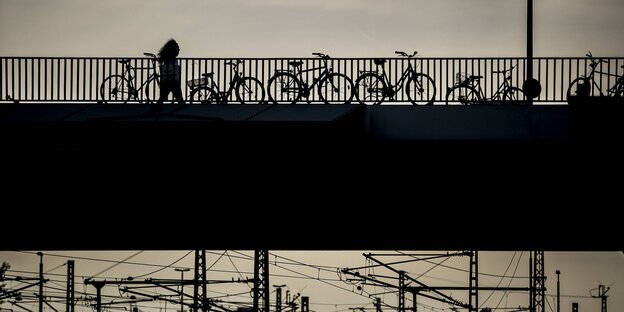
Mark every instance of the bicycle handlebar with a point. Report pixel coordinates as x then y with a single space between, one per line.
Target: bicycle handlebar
401 53
235 62
503 71
321 55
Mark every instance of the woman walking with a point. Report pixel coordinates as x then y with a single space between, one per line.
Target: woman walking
170 72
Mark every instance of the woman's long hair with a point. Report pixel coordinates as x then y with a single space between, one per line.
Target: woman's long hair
169 51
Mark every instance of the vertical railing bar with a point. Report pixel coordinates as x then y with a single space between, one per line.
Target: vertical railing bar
97 77
38 80
90 97
15 97
19 66
3 79
539 74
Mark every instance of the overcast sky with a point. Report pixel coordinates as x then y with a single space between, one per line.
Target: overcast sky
283 28
580 272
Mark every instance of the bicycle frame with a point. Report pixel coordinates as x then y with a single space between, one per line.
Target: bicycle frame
476 84
315 80
409 72
129 70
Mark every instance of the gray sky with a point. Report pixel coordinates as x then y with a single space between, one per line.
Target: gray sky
282 28
581 271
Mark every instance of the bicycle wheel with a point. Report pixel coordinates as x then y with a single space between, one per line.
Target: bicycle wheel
336 87
250 90
204 95
284 87
420 89
582 87
463 95
115 89
369 89
514 95
152 92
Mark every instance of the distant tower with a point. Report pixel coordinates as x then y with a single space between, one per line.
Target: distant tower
199 289
602 294
305 304
401 292
261 281
473 292
538 283
70 286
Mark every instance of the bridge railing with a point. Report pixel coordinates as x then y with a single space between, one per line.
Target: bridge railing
78 79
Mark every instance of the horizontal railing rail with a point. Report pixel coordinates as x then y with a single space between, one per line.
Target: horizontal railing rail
78 79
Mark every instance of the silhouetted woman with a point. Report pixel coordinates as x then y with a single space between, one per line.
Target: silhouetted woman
169 72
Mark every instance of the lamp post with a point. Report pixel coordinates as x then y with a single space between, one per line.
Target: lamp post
558 294
182 270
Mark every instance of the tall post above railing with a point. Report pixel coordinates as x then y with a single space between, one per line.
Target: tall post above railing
530 44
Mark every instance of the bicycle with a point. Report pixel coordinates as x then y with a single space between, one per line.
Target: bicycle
373 86
468 91
120 88
206 91
289 85
586 85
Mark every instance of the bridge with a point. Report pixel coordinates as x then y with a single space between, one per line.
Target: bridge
53 124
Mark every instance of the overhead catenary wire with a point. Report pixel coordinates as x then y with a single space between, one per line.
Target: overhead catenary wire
511 279
501 279
464 270
165 267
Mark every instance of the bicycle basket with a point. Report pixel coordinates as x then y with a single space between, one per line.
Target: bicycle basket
197 82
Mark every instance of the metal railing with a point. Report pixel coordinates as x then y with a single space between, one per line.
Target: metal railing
78 79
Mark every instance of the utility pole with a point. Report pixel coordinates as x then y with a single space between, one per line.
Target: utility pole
200 301
602 294
378 304
537 281
529 45
40 254
70 286
261 281
278 297
305 304
473 292
401 291
181 270
98 295
558 292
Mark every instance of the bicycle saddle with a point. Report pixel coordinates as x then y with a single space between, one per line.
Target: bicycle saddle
208 75
126 61
475 77
379 62
295 63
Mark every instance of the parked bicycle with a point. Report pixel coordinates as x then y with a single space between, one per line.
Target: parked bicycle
586 85
468 91
119 89
372 87
289 86
206 91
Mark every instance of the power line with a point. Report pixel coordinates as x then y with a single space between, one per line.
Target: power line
174 262
501 279
463 270
102 260
511 279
